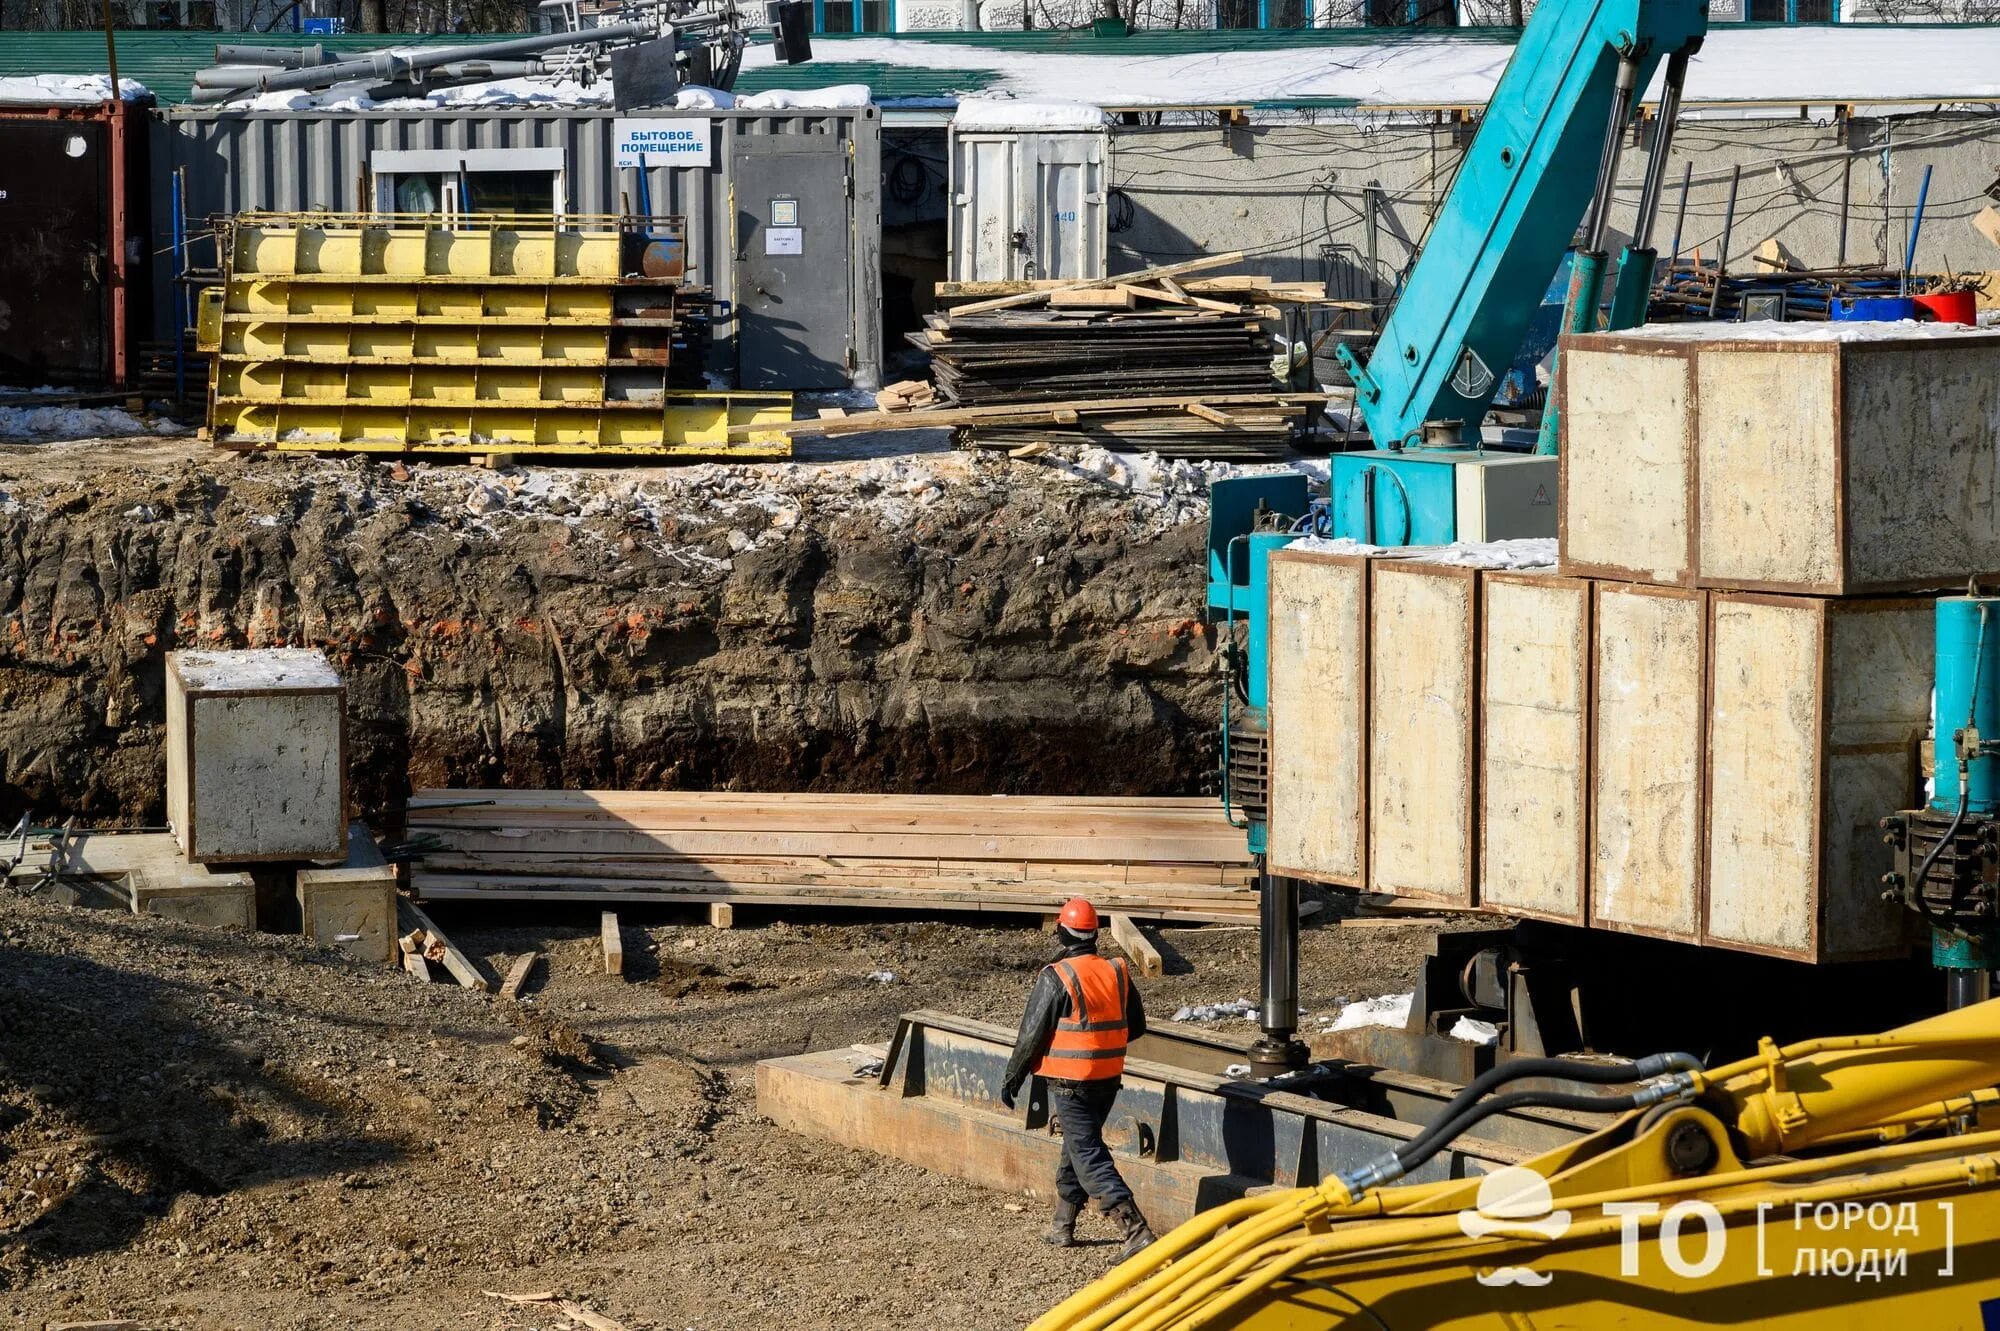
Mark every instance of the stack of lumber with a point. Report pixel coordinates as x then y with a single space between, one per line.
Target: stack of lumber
906 395
1152 858
1134 362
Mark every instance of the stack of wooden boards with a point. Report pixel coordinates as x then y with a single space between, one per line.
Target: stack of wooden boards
1690 728
1142 361
1144 336
1167 859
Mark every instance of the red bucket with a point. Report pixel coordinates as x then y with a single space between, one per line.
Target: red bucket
1951 307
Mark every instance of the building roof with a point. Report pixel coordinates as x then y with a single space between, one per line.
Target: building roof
1311 67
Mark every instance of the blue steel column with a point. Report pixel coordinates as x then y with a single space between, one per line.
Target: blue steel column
1966 781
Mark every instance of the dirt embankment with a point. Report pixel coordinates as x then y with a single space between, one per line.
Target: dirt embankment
939 622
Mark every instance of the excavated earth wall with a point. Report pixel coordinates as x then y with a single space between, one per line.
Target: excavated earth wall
938 622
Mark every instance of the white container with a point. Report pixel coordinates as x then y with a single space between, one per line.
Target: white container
256 756
1028 204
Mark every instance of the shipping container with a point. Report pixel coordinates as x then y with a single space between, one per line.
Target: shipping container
1028 204
783 209
73 217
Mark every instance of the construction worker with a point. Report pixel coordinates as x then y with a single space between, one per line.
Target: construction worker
1082 1013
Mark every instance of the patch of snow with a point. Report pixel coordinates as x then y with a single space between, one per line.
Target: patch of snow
1847 63
66 89
1237 1070
1241 1008
1858 330
882 977
1528 552
703 99
994 113
1392 1010
48 424
1474 1031
840 97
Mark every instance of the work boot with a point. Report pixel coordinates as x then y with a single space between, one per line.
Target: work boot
1062 1225
1132 1228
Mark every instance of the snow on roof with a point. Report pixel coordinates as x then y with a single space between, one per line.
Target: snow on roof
65 90
1025 113
1859 63
547 92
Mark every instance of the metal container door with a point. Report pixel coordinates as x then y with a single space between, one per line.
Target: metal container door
1069 236
987 240
794 303
52 260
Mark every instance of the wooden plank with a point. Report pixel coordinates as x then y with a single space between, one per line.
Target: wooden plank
1093 298
1143 275
1210 414
721 915
557 887
1127 934
695 844
614 945
417 966
517 976
409 915
1022 412
1228 284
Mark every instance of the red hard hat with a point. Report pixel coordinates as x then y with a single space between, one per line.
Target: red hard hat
1078 916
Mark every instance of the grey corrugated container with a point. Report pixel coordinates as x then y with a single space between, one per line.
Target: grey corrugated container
303 161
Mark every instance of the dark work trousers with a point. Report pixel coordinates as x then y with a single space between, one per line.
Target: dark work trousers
1087 1170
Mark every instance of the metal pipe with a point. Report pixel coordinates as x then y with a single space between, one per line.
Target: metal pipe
1278 956
1728 225
392 66
1963 988
1846 180
284 57
1916 225
1680 216
180 285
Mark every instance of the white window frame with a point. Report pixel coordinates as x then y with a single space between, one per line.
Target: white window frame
454 164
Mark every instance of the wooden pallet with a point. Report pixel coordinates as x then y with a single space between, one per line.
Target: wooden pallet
1150 858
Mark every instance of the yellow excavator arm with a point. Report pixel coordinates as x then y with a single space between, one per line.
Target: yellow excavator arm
1836 1183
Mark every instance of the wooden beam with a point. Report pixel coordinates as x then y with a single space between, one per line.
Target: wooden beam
1210 414
614 945
419 969
721 915
1127 934
409 915
517 976
1093 298
1143 275
1024 413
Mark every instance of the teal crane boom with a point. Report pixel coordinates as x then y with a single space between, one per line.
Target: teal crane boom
1546 155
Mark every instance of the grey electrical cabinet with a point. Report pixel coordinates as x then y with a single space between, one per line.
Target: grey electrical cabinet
794 284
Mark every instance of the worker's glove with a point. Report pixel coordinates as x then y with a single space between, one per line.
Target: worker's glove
1007 1094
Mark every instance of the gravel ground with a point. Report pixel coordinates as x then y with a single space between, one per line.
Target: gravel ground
202 1129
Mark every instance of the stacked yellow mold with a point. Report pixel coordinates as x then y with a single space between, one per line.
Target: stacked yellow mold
406 334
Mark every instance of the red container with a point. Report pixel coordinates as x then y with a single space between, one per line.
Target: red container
1951 307
73 216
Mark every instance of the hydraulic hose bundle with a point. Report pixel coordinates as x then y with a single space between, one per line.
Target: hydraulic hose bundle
1235 1252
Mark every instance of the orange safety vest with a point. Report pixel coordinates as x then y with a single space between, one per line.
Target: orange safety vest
1089 1042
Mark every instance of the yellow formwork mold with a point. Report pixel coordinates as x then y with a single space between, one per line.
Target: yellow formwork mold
387 333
